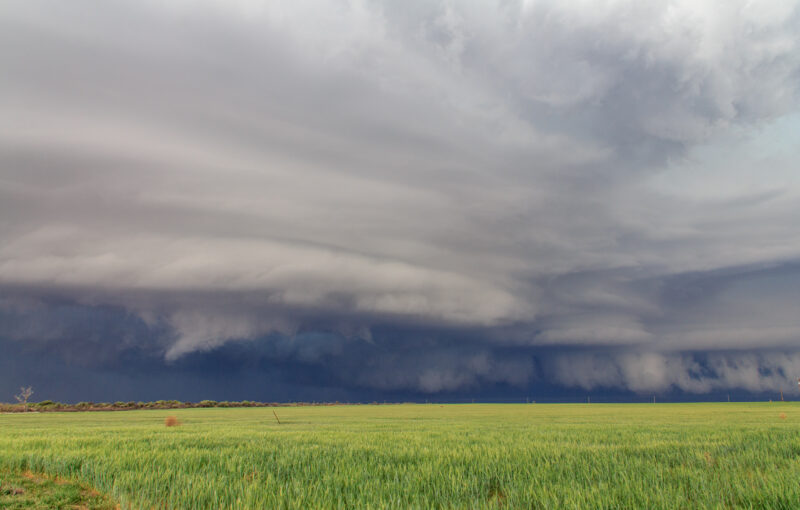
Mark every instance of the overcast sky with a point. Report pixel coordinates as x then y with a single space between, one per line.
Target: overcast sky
365 198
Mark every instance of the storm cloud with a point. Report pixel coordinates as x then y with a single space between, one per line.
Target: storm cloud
419 196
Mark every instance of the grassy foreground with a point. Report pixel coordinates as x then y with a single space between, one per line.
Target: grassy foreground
31 491
423 456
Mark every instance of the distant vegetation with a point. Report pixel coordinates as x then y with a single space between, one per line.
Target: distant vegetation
484 456
49 405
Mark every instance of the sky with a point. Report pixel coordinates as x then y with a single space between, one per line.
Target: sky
352 200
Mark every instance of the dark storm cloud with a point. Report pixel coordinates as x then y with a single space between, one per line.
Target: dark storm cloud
491 182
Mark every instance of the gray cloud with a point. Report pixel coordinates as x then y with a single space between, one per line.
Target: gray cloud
528 174
647 371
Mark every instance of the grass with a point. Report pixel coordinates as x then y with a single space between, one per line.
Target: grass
423 456
27 490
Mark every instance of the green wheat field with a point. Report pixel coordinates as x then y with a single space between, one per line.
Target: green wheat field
727 455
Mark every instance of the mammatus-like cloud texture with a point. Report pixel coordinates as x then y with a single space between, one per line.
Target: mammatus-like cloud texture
587 194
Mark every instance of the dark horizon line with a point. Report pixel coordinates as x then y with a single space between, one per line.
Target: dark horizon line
51 406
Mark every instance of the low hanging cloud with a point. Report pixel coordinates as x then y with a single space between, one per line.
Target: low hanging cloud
504 180
643 372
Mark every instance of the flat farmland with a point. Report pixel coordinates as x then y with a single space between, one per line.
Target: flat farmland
727 455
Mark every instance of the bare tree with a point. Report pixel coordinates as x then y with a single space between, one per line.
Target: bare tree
24 395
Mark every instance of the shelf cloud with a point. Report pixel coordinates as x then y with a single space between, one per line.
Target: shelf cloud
421 196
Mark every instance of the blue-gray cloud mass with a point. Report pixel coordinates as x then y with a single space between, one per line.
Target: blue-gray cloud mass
330 199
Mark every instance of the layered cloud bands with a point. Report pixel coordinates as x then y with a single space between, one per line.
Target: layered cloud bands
443 195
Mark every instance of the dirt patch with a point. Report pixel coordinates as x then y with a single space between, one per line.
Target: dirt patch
33 477
11 491
90 493
496 496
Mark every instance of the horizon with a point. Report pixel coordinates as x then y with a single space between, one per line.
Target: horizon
359 201
585 400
